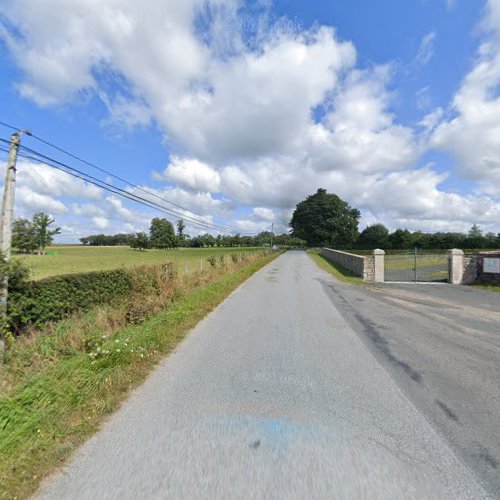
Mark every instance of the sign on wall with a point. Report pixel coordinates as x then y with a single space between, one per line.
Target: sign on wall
491 266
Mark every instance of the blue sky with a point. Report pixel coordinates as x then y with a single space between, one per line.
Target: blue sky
237 111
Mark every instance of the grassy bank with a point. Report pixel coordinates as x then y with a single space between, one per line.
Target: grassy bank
60 389
334 269
490 288
68 259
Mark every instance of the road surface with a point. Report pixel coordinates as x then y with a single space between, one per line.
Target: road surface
286 391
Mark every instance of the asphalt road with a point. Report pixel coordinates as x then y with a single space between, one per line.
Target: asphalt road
292 389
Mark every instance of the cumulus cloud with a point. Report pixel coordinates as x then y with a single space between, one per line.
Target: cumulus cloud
100 222
193 174
260 123
471 133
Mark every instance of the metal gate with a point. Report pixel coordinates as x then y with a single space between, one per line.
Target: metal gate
416 266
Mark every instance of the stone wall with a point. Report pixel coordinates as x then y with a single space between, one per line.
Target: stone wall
470 269
482 277
362 266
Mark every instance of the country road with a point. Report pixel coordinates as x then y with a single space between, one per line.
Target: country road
298 386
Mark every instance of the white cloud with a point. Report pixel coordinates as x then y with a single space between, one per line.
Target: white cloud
263 213
471 134
100 222
432 119
29 201
48 181
426 49
240 116
193 174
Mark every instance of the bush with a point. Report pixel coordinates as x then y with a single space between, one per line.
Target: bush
34 303
212 261
37 302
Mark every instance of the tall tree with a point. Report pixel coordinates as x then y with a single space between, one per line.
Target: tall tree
401 239
140 241
323 219
162 234
44 236
23 236
374 236
180 232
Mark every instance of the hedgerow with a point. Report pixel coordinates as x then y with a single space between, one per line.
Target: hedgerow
34 303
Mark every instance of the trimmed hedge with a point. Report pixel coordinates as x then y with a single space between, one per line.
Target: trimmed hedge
51 299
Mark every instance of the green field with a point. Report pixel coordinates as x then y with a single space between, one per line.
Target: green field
68 259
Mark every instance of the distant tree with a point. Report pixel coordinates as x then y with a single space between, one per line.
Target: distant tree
374 236
324 219
401 239
208 240
23 236
140 241
475 237
180 232
107 240
162 234
44 236
263 238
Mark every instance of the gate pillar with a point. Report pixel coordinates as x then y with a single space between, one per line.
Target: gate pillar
455 266
379 258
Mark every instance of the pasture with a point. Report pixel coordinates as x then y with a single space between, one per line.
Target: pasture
69 259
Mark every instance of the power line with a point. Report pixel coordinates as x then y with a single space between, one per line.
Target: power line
117 191
43 159
93 165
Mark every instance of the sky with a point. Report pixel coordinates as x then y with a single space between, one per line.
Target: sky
236 111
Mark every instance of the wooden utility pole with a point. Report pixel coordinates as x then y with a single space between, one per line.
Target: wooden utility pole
8 198
272 234
6 219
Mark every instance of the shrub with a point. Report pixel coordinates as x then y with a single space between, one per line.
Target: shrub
234 257
212 261
33 303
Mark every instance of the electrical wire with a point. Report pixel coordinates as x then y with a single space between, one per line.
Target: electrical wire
43 159
146 191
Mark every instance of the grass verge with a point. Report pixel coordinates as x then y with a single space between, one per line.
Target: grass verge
490 288
46 417
334 269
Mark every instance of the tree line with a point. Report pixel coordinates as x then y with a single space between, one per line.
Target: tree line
325 220
162 235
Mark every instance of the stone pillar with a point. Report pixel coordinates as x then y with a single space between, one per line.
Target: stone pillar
379 258
455 266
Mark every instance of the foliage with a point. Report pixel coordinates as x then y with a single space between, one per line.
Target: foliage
37 302
28 236
43 234
23 236
140 241
324 219
99 240
18 275
162 234
180 232
375 236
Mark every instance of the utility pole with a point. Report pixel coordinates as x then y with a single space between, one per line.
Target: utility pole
272 234
8 197
6 218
